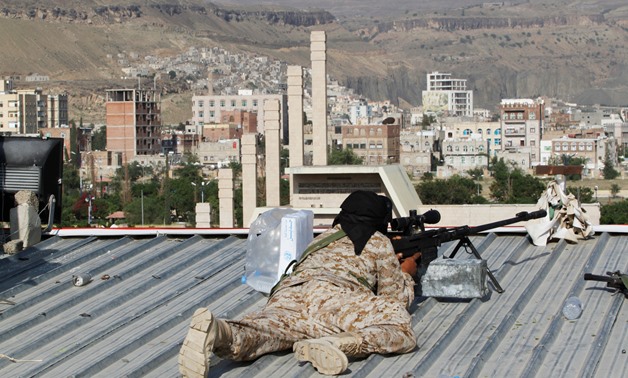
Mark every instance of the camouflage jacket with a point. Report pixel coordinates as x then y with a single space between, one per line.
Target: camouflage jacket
376 269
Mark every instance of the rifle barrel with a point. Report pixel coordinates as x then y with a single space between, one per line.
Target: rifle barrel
595 277
520 217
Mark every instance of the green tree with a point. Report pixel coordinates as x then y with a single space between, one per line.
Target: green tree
344 156
614 213
609 172
456 190
99 139
512 185
582 193
615 190
426 121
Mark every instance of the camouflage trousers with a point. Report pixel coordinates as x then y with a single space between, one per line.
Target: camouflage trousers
316 309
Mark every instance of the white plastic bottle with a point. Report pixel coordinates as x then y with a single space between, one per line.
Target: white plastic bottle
572 309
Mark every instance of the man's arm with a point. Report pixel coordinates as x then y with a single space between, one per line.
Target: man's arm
393 280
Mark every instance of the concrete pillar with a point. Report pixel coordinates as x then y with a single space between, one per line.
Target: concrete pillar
318 52
295 114
271 126
203 215
249 178
225 197
24 219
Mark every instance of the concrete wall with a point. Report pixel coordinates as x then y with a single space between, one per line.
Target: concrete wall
475 215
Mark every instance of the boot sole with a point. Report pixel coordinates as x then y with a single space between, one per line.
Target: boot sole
324 356
193 355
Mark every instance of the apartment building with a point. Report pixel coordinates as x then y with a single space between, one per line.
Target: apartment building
208 109
57 111
375 144
593 150
133 121
417 149
25 111
521 126
446 95
460 155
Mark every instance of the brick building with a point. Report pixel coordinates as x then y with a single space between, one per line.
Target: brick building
133 121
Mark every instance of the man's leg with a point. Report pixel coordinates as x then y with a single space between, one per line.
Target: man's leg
379 324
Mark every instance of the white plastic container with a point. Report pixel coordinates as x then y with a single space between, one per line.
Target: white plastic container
276 237
572 309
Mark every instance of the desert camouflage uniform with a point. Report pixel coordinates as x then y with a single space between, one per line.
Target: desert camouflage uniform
328 294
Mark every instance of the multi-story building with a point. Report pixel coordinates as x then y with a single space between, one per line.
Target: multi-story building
26 111
521 125
245 121
57 111
593 150
460 155
133 121
220 153
375 144
447 96
221 131
208 109
417 151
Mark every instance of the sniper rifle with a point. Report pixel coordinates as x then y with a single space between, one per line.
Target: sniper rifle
409 236
615 280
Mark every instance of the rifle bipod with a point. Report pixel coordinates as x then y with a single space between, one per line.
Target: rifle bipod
466 243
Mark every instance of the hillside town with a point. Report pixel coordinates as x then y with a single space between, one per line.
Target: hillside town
444 136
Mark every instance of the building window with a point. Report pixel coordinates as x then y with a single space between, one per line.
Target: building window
212 103
200 114
498 141
488 131
222 103
233 103
589 146
211 113
531 115
532 143
557 147
465 148
255 103
244 103
480 131
532 130
449 149
200 104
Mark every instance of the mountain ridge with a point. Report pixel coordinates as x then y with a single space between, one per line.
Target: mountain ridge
503 52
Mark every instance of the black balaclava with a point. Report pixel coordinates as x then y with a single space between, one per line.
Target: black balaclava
362 213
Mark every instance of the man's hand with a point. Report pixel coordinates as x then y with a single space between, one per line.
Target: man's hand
409 265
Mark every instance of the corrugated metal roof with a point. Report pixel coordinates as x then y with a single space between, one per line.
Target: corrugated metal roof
133 323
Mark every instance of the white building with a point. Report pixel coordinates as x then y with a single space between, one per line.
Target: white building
208 108
447 95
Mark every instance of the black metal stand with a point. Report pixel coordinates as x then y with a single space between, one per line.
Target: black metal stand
466 243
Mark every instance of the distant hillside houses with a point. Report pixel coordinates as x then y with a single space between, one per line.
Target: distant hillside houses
36 77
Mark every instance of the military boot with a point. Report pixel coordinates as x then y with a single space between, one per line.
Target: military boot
205 334
328 354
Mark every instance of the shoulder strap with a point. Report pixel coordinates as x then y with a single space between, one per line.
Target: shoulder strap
322 243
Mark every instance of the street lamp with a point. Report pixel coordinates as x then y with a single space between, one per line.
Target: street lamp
203 191
595 188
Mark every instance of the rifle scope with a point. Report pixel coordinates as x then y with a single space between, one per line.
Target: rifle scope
429 217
